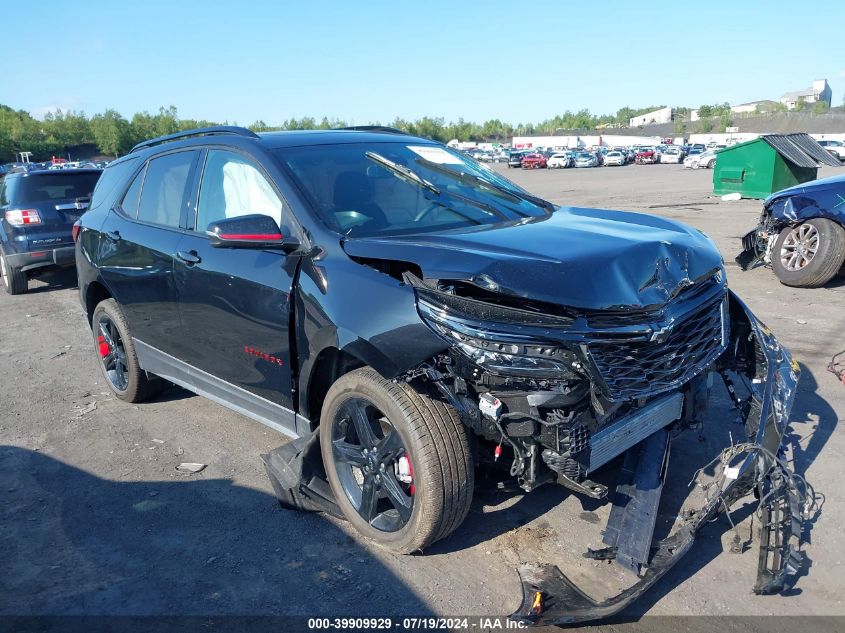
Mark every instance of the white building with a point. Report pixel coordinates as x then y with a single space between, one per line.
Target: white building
819 91
752 106
663 115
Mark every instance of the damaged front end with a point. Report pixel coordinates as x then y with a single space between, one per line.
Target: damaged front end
558 393
823 198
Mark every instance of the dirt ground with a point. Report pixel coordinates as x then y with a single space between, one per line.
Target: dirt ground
95 519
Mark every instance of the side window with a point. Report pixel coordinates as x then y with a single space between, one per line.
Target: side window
233 186
130 200
113 176
163 194
7 191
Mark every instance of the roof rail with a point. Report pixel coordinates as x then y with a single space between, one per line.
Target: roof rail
374 128
200 131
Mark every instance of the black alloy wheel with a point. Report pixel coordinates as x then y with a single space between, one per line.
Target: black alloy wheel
373 465
112 353
398 460
117 355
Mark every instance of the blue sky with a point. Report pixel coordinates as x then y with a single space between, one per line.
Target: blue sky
374 60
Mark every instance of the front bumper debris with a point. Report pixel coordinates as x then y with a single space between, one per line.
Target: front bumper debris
786 500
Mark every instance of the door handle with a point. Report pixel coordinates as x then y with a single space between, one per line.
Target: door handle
189 257
114 236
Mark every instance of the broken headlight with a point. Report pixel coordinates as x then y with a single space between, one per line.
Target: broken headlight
524 359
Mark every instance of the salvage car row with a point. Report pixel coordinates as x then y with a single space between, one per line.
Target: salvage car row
693 157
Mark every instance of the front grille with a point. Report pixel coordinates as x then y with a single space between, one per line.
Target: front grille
635 369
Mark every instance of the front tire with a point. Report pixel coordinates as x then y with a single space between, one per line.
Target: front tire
118 359
810 254
398 461
14 281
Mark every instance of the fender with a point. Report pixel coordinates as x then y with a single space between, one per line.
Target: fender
381 326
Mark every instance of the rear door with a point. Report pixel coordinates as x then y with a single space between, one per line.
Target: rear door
139 238
236 303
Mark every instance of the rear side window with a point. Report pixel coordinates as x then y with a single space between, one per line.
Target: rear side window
163 194
59 185
130 199
113 176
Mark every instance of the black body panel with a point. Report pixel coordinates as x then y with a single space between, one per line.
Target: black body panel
237 325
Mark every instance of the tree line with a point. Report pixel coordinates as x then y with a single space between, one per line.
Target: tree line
113 134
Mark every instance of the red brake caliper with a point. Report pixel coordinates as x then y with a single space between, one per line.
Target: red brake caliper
405 472
105 350
410 472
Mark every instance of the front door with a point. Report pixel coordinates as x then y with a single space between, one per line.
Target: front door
235 304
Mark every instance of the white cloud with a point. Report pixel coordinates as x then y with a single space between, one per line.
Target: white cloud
42 111
842 73
63 104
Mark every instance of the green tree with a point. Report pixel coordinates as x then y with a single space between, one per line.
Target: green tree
800 104
820 107
166 121
111 132
703 126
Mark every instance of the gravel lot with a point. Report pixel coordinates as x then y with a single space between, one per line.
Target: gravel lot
96 520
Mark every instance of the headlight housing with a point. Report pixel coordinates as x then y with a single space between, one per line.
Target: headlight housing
512 356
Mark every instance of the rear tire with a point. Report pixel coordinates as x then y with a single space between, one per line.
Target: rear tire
118 359
403 422
822 240
14 280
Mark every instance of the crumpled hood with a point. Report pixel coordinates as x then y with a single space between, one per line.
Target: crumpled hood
821 184
581 258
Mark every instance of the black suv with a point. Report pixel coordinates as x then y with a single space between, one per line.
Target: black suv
37 213
414 313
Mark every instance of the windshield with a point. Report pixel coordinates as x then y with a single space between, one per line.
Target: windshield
367 189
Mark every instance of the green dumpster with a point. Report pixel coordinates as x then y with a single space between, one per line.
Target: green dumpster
758 168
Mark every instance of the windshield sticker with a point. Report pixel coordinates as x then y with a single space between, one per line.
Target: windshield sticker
435 154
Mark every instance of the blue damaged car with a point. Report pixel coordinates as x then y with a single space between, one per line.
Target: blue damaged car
801 234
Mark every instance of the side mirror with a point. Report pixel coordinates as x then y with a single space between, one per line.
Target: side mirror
250 231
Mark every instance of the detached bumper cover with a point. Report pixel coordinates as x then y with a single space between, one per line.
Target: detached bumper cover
550 598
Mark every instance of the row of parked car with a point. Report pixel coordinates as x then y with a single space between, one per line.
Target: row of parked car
692 156
53 165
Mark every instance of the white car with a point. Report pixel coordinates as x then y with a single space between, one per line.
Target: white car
837 148
614 158
559 161
672 155
706 160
